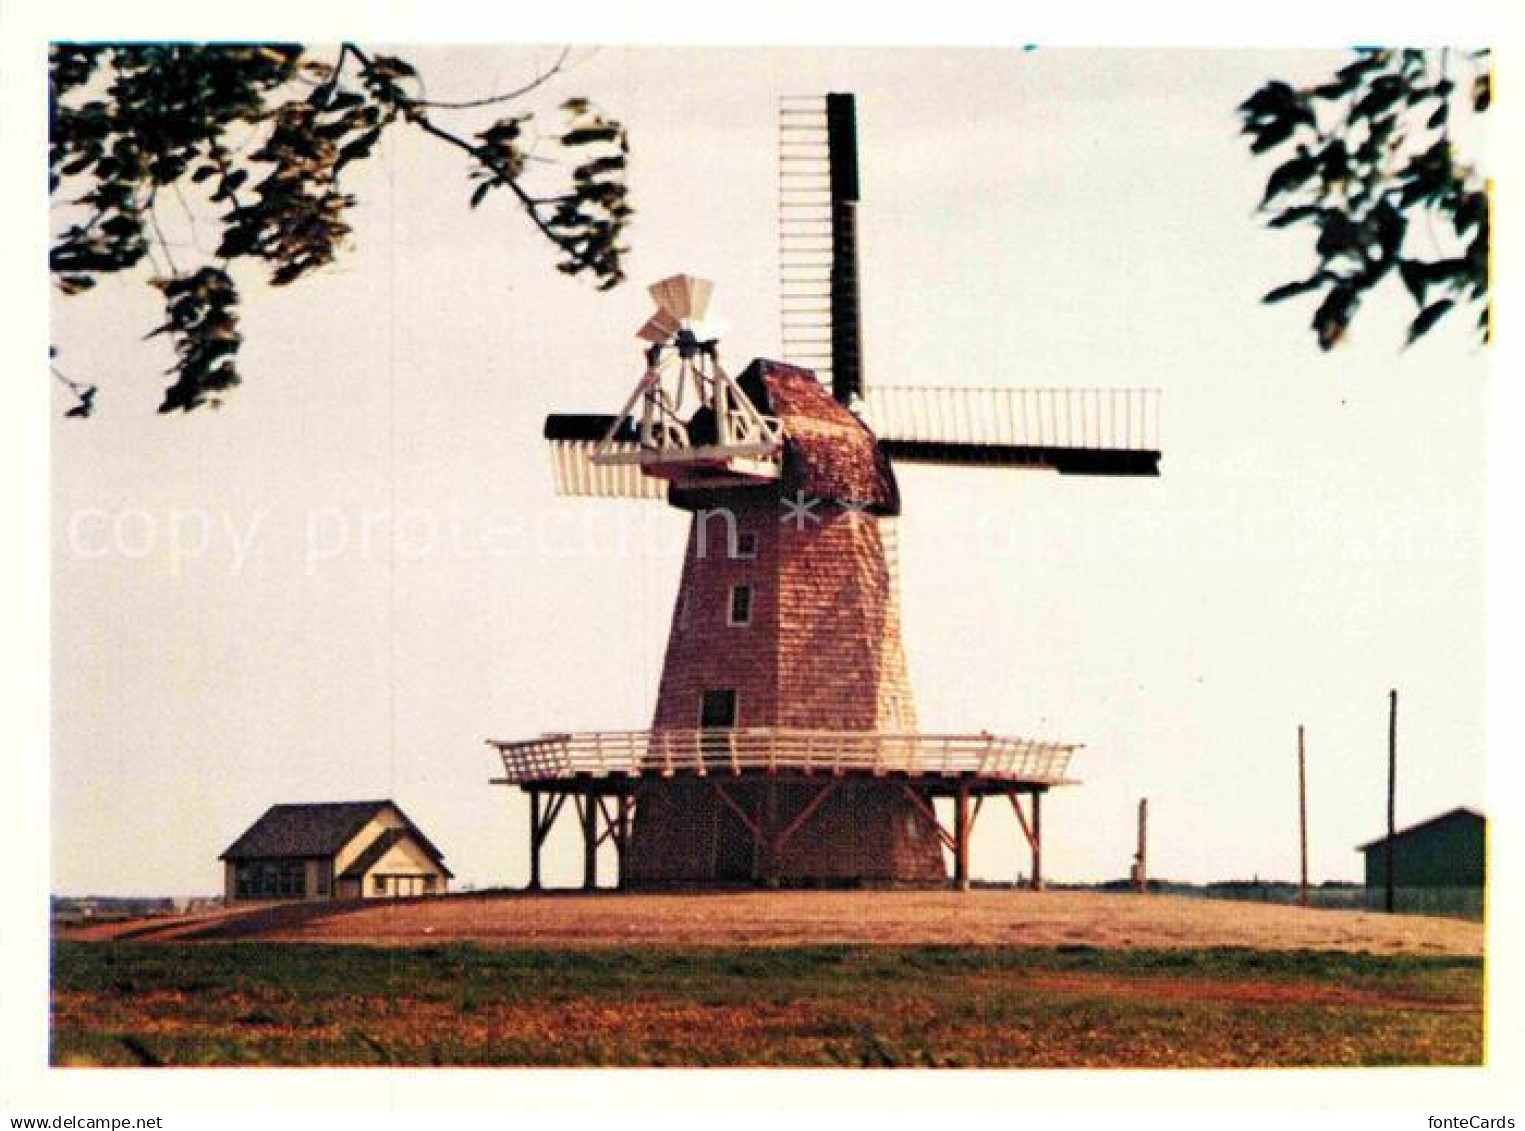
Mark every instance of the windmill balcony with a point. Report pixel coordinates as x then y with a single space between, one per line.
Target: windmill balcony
773 750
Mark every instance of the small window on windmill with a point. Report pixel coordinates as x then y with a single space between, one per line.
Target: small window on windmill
746 545
682 610
741 605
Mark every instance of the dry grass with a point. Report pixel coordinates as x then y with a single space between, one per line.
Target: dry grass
991 978
241 1003
802 918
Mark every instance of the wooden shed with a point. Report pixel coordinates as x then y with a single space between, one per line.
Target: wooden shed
333 850
1439 865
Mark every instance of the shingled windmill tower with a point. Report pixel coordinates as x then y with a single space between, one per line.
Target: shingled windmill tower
784 746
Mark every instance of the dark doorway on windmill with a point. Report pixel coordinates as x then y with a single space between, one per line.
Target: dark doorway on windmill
718 709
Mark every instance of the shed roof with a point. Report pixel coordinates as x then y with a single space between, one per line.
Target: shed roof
1462 811
319 829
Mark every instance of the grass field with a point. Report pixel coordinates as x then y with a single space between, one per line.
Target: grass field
127 1003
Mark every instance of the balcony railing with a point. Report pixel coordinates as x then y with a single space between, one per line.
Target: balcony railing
772 749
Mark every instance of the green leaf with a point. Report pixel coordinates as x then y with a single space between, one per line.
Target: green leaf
1427 318
1332 318
1482 91
1290 290
1290 216
1289 176
1416 278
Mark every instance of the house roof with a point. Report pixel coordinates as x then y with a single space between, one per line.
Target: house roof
382 844
828 452
1439 818
320 829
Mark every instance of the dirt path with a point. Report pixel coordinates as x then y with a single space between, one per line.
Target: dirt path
1005 918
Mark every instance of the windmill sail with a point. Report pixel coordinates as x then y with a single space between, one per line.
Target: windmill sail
818 239
1072 431
575 437
1107 431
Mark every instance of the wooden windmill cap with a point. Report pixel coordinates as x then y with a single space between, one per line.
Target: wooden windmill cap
829 454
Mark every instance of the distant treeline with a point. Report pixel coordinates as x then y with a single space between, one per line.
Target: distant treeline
73 908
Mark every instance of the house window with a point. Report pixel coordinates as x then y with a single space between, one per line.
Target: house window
271 879
429 884
741 605
379 885
746 545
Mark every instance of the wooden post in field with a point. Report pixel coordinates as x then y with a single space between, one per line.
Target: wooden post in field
1302 816
1141 861
1392 796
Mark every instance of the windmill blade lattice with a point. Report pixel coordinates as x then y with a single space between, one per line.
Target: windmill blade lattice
1105 431
805 233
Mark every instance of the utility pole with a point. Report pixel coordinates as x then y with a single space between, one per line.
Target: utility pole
1302 816
1392 793
1141 858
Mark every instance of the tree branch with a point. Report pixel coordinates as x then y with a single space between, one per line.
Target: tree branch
529 204
496 99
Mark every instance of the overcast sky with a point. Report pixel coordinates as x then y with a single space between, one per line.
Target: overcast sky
1069 218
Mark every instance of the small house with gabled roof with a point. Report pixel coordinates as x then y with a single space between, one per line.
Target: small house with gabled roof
333 850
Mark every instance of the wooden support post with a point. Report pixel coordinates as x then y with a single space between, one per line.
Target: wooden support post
1032 831
1141 859
589 843
1302 817
535 839
961 839
627 803
1392 799
1037 844
930 812
771 865
782 837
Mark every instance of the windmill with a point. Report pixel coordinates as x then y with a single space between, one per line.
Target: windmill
784 748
